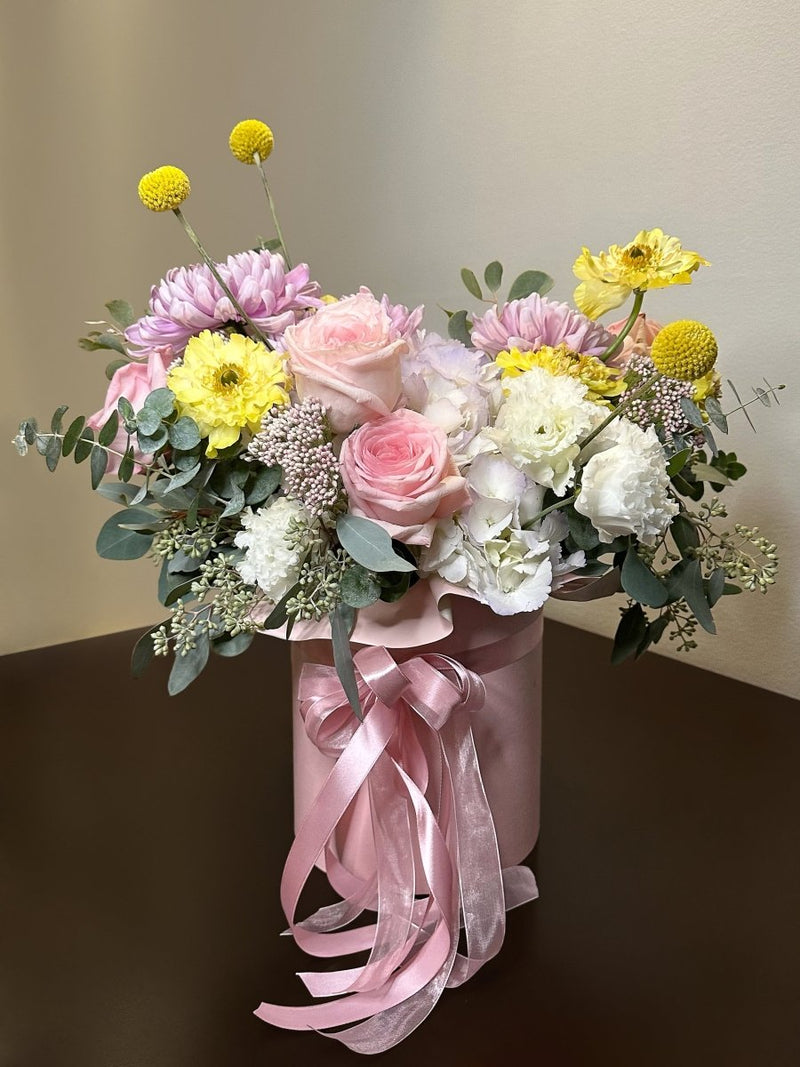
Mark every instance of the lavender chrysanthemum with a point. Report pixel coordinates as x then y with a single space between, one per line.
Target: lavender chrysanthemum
661 407
298 439
534 321
189 299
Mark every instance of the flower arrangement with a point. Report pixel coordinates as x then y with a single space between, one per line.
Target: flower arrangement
296 462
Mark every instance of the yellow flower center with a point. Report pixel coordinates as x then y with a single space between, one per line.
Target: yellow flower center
227 377
249 138
685 350
637 258
164 189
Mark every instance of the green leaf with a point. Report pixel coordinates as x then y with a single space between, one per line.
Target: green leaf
729 589
530 281
186 668
493 275
148 422
97 464
161 401
52 453
125 408
184 433
116 542
235 505
263 485
185 564
394 586
84 444
684 534
114 366
657 628
121 312
108 432
118 494
148 444
72 434
177 480
631 631
143 651
95 342
232 646
692 413
678 462
182 461
471 283
689 585
169 581
369 544
58 415
581 530
28 429
459 328
126 464
715 586
342 619
359 587
191 514
278 616
706 473
640 583
716 414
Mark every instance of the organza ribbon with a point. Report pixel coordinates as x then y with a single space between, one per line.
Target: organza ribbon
414 754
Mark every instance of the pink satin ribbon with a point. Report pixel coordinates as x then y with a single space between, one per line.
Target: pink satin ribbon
414 754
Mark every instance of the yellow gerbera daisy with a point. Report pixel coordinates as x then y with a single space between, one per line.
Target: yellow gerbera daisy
652 260
602 381
227 385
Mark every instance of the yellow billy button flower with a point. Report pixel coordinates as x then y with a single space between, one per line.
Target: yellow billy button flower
601 381
164 189
685 350
249 137
226 385
652 260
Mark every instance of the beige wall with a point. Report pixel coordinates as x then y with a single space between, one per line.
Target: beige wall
412 138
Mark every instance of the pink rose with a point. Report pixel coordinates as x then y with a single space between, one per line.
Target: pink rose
347 355
398 471
134 381
638 341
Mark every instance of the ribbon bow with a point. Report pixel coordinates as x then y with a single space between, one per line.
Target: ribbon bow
414 755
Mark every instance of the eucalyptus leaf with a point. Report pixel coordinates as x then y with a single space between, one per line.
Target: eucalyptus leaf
232 646
235 505
369 544
58 415
119 494
114 366
42 443
126 464
148 422
184 433
342 619
99 341
684 534
97 465
84 444
640 583
631 631
191 514
178 480
692 413
677 462
471 283
28 430
150 443
263 485
161 401
72 434
657 628
116 542
459 328
182 461
359 588
144 651
493 275
186 668
706 473
530 281
581 530
715 586
183 563
278 616
121 312
108 431
716 414
128 415
689 585
53 453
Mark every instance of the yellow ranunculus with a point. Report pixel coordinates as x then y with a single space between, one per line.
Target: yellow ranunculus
227 385
602 381
652 260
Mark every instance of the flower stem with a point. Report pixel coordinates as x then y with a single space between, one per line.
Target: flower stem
620 409
213 268
546 511
271 202
626 329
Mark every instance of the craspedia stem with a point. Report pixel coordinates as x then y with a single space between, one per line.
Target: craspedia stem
209 262
260 164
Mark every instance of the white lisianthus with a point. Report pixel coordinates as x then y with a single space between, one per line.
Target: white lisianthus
455 388
269 561
540 423
625 487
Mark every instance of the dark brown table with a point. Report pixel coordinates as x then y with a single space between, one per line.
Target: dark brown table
142 840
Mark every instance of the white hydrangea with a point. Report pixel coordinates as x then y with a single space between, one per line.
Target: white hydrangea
625 485
455 388
487 550
540 423
269 562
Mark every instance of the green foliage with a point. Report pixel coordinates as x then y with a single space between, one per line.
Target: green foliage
342 620
369 544
143 652
184 433
359 587
459 327
229 646
678 461
117 540
73 433
97 342
640 583
493 275
530 281
685 581
121 312
186 667
84 445
471 283
631 632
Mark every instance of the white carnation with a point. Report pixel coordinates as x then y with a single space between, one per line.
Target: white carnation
540 423
624 487
269 562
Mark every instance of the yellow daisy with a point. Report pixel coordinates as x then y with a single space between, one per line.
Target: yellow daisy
602 381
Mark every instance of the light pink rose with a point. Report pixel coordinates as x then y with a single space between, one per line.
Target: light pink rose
347 355
638 341
134 381
398 472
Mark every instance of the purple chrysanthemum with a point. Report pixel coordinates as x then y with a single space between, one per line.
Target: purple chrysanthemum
189 299
534 321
